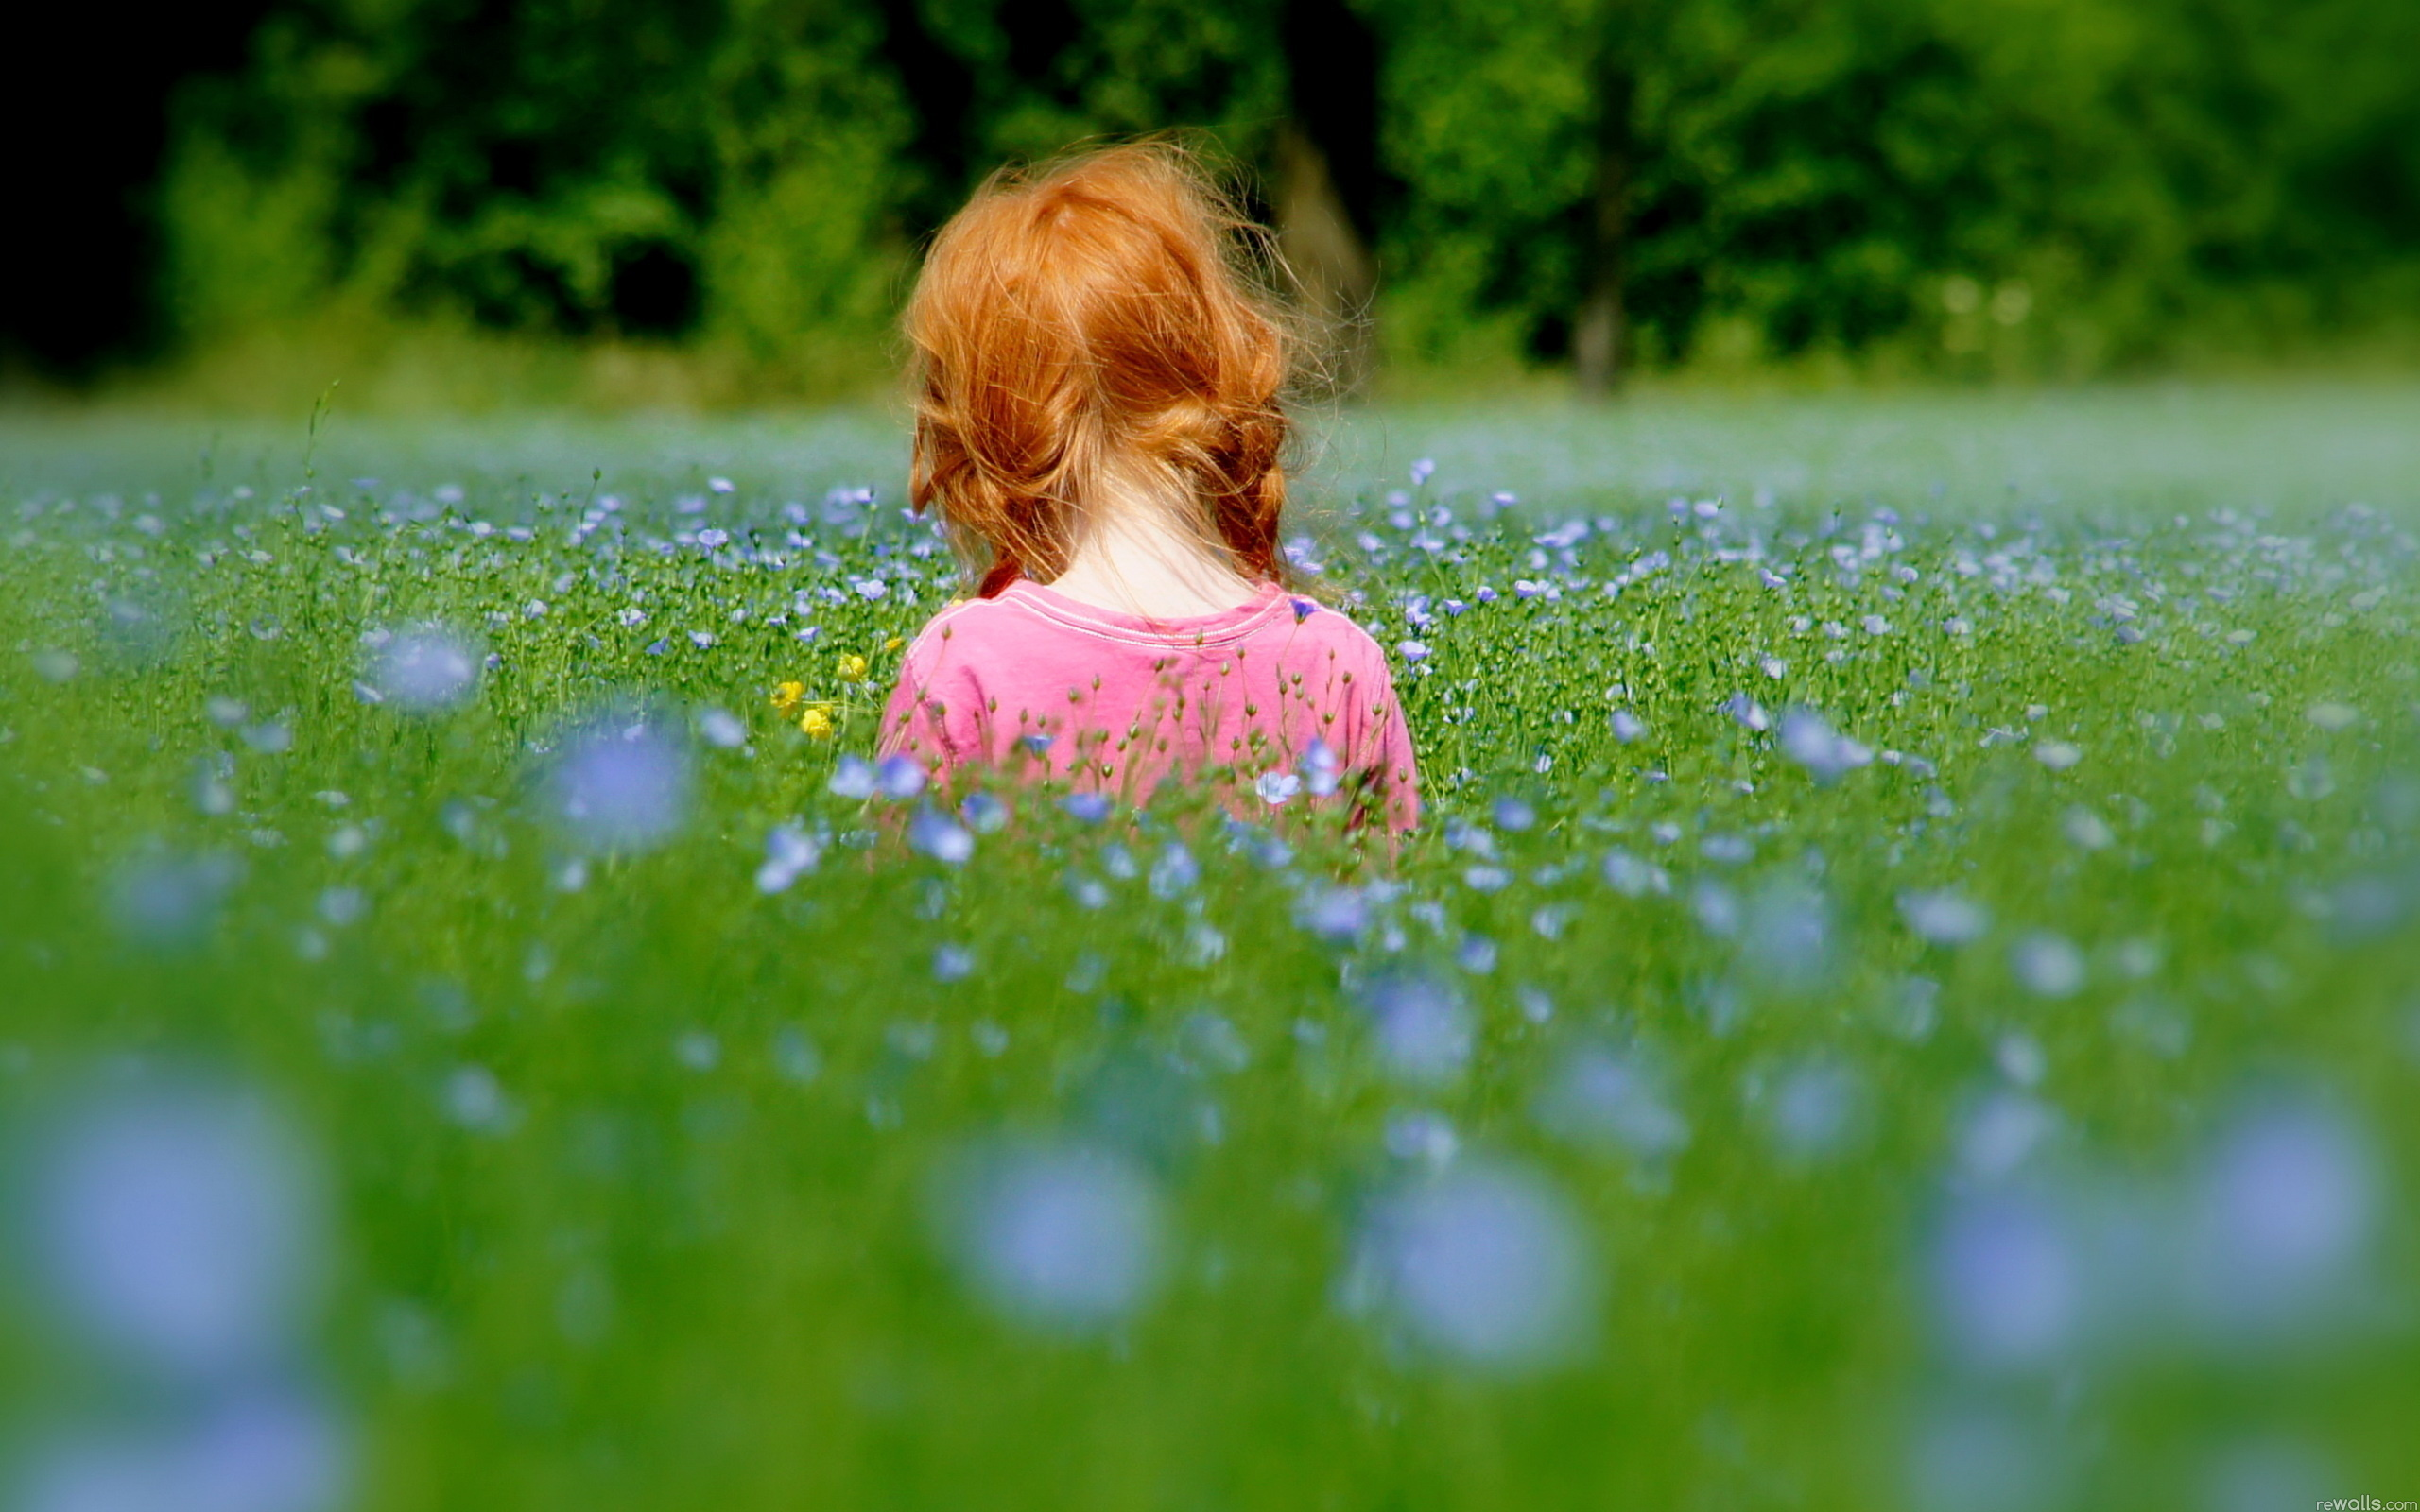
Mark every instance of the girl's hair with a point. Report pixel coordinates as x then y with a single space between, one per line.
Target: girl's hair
1101 316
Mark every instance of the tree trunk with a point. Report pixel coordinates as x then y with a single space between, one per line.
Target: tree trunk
1333 268
1599 328
1327 181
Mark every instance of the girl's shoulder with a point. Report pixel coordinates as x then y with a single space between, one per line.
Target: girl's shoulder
958 617
1017 625
943 650
1323 626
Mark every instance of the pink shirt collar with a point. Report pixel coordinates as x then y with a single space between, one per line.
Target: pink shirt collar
1180 630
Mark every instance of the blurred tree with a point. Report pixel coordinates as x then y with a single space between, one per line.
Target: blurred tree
1625 36
572 167
1020 80
542 164
2056 186
801 255
1960 185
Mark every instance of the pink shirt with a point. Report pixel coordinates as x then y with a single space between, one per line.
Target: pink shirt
1290 697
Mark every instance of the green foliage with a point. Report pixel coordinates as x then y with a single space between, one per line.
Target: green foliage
1997 188
571 169
1854 176
800 260
1042 76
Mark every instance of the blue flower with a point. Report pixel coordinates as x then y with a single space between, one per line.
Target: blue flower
1424 1030
1175 872
1334 913
426 671
852 778
1809 740
1257 843
1747 711
788 851
622 788
899 777
936 835
1063 1238
1481 1263
1320 769
983 813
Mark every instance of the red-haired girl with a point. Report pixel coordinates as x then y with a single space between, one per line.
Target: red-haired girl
1098 423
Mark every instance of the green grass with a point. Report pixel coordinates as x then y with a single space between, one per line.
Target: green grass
648 1187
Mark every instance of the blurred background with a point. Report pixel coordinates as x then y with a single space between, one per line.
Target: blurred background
1979 1076
467 204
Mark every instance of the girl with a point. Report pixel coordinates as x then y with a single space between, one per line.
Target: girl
1098 424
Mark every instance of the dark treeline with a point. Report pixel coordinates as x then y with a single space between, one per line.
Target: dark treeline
83 111
2058 186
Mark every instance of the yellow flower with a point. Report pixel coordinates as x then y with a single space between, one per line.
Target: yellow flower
785 696
852 668
891 645
815 724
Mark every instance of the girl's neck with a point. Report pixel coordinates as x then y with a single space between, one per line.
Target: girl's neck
1142 554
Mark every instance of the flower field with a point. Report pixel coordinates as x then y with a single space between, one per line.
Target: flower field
1906 994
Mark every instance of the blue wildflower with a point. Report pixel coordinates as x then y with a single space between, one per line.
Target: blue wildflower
852 778
936 835
899 777
983 813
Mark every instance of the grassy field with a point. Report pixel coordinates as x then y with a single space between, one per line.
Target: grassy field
1905 996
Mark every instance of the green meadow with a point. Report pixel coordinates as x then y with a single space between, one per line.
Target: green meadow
1903 994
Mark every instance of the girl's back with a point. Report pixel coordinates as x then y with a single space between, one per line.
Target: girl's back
1280 697
1099 426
